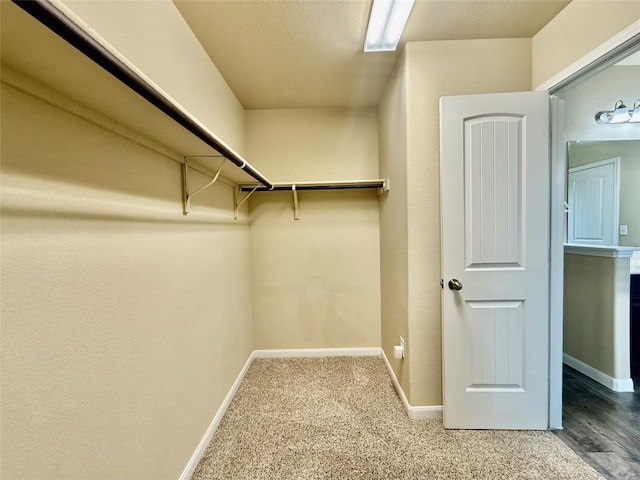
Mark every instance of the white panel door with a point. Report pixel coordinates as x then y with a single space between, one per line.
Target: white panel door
593 203
495 192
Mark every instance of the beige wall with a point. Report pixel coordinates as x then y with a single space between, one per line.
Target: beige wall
124 323
433 69
316 281
596 312
436 69
629 153
392 118
578 29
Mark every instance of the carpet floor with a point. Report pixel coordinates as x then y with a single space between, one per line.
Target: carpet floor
341 418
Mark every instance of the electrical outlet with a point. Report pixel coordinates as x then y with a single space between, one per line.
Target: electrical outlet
624 230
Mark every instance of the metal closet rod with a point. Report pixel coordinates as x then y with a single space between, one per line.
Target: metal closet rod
346 185
55 20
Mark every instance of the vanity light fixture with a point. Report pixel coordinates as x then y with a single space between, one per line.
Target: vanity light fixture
620 114
386 24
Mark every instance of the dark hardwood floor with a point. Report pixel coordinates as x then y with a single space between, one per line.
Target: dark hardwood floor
602 426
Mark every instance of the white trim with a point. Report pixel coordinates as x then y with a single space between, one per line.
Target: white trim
556 255
414 412
582 63
615 384
599 163
600 250
318 352
215 423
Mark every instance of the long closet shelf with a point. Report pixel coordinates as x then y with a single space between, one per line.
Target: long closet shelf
379 183
85 74
97 49
382 185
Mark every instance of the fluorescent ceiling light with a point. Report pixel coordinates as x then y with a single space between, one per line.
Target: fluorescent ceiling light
386 24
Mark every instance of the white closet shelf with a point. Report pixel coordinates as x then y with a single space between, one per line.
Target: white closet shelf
84 75
87 72
380 183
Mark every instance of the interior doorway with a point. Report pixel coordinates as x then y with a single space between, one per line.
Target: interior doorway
586 67
574 128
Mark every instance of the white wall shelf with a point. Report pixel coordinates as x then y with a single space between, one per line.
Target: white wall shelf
381 184
157 119
141 106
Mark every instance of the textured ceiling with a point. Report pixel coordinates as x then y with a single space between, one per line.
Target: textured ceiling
295 54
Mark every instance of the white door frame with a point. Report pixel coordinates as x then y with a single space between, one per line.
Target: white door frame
592 61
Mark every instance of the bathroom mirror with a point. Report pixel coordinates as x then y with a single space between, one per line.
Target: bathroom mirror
603 192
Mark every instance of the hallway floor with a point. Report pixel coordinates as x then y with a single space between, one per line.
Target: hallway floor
602 426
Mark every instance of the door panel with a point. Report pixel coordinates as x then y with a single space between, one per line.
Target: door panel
495 241
492 161
496 345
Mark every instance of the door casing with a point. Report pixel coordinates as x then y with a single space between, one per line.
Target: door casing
594 61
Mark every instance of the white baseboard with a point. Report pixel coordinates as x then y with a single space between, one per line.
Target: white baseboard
318 352
615 384
414 412
215 423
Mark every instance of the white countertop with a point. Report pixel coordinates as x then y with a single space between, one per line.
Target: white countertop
632 253
635 263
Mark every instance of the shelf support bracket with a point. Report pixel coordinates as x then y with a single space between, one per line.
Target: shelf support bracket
186 194
385 187
236 204
296 210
